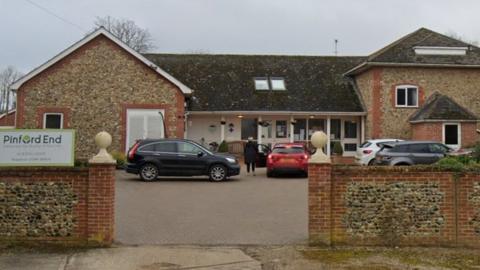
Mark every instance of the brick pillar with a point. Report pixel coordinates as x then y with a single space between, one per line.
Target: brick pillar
100 204
319 203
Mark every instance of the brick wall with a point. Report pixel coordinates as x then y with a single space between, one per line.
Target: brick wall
8 120
433 131
427 131
66 206
351 205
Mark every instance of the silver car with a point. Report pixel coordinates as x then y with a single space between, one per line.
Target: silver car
411 153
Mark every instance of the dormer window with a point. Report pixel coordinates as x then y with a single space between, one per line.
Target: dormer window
270 83
277 83
434 50
261 83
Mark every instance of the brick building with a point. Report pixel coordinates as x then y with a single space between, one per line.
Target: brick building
420 87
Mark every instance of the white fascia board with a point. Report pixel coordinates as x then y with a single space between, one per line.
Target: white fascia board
100 31
275 113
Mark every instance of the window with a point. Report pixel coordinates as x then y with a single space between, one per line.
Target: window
399 148
166 147
147 148
281 129
266 127
53 120
437 148
261 84
269 83
249 128
300 130
451 134
419 148
350 130
406 96
277 83
315 125
350 147
288 150
188 148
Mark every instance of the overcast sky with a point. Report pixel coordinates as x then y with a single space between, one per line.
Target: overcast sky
29 35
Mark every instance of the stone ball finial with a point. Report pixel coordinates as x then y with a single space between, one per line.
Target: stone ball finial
103 140
319 140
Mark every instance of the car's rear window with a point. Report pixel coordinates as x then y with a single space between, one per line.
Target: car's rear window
288 150
365 144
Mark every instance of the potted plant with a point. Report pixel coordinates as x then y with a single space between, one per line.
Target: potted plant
337 152
223 147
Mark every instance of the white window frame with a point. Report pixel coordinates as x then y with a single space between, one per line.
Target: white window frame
406 96
261 79
144 113
45 119
277 79
459 134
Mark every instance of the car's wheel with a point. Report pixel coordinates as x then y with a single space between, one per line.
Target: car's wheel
148 172
269 173
371 162
218 173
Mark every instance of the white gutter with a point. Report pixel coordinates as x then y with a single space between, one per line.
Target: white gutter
441 121
275 113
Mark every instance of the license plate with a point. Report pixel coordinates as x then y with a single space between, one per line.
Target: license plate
287 160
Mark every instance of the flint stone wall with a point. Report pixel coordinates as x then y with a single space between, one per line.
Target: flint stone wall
61 206
415 207
353 205
36 209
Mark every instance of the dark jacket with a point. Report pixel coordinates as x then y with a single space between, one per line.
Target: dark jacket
250 152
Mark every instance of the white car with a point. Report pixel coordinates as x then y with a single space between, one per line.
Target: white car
366 152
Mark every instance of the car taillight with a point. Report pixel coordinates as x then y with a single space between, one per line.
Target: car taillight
368 151
132 151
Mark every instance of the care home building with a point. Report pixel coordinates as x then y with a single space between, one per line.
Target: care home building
423 86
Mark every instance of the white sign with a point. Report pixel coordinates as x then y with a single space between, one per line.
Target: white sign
35 147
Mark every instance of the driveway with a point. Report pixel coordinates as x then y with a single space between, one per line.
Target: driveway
243 210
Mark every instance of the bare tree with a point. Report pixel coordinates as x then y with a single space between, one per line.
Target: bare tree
7 97
137 38
455 35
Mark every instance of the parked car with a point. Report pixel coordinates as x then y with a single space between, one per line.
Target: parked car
288 157
263 152
365 154
411 153
175 157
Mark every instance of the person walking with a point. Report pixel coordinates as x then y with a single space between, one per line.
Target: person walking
250 154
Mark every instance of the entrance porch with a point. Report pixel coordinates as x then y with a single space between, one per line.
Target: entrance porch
270 128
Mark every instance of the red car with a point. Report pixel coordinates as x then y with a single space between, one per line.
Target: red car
288 158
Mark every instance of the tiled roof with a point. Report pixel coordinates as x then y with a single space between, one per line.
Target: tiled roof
226 82
441 107
401 51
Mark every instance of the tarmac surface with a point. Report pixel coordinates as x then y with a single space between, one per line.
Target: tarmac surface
245 210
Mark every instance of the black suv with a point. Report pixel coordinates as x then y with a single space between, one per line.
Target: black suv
175 157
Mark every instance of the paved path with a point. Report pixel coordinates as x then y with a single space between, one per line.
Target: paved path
127 258
244 210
